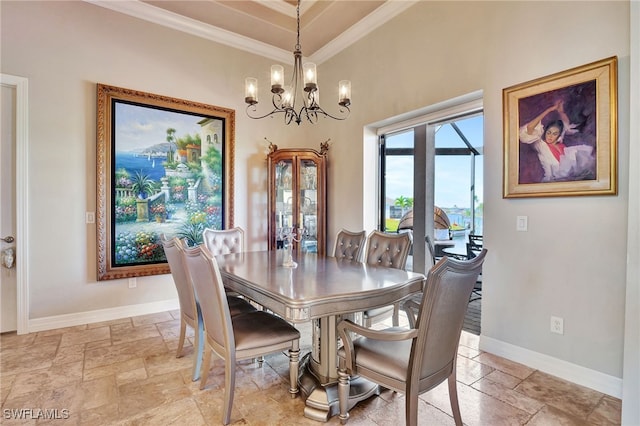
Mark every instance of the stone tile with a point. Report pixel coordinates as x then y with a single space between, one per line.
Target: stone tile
393 414
46 379
64 330
99 392
141 396
110 323
476 408
468 352
151 318
574 399
67 400
607 412
509 396
170 330
181 412
512 368
469 371
99 357
131 376
114 369
67 354
43 339
98 344
13 340
103 415
20 360
552 416
6 381
252 412
504 379
167 363
469 340
133 334
137 380
85 336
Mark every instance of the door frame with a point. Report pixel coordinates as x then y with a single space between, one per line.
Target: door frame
21 86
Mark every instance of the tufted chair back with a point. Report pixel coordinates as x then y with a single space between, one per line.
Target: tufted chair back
389 250
349 245
223 241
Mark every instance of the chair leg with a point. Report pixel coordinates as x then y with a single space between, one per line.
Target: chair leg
183 332
198 348
396 315
229 388
453 397
343 394
204 370
411 409
294 365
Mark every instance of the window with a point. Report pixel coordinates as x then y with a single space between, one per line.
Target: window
433 162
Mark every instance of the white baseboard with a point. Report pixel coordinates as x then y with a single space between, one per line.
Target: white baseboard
574 373
80 318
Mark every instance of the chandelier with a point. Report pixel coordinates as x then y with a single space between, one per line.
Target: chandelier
294 101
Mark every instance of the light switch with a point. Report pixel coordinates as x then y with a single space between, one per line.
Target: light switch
521 223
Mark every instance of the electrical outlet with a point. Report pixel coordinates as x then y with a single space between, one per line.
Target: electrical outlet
132 283
557 325
90 217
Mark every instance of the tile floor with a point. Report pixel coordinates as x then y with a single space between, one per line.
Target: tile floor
125 372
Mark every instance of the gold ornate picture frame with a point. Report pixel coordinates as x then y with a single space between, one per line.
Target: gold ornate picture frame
560 133
164 166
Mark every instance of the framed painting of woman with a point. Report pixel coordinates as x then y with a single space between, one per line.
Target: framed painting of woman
560 133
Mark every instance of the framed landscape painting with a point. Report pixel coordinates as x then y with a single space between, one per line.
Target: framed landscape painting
164 166
560 133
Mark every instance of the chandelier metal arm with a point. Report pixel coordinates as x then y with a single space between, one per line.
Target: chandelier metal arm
303 82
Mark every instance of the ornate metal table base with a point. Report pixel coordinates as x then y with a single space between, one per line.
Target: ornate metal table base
318 379
322 399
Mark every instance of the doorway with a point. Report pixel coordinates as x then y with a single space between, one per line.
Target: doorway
13 198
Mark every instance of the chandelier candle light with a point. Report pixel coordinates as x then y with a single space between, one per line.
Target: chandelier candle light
285 98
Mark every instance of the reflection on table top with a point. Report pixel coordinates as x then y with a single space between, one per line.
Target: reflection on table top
319 286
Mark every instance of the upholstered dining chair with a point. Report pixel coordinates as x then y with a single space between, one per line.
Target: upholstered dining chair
391 251
349 244
415 360
249 335
223 241
190 314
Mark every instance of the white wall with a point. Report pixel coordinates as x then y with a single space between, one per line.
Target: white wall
567 265
64 49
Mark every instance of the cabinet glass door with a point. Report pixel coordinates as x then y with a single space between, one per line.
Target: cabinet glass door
309 205
284 207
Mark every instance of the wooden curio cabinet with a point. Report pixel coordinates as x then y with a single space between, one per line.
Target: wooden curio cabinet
297 198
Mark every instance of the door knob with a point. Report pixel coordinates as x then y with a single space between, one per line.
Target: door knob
8 239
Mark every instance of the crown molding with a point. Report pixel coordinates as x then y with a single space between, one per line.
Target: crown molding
375 19
156 15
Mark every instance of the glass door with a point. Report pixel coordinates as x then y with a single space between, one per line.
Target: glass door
309 205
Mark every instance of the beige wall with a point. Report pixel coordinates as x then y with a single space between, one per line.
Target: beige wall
571 263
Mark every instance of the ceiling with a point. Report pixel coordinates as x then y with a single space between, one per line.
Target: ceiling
268 27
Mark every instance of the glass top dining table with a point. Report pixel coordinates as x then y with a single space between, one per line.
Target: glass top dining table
321 289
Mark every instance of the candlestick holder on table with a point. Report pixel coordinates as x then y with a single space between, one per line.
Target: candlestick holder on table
289 236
